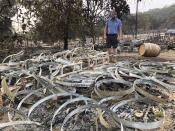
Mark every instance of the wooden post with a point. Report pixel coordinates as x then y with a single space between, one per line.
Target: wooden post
1 102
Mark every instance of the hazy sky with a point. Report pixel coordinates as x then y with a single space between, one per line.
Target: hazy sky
145 5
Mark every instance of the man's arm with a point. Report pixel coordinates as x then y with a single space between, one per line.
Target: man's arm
105 31
120 33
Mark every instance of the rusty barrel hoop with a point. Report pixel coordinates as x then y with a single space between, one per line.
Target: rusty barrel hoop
1 102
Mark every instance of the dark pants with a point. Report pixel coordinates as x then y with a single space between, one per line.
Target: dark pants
112 41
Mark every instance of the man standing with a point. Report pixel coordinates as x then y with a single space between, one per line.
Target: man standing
112 34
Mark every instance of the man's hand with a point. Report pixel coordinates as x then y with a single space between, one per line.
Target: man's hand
105 37
120 34
118 38
105 30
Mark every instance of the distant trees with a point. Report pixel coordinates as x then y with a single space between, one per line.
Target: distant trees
171 22
55 20
62 20
156 19
121 7
129 24
7 11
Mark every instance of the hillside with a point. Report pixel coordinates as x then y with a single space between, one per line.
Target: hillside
165 17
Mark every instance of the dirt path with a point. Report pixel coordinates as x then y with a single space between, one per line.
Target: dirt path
164 56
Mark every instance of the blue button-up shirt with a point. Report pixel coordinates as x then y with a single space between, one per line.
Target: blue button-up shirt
113 25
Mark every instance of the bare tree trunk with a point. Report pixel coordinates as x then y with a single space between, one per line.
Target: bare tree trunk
66 30
94 39
66 38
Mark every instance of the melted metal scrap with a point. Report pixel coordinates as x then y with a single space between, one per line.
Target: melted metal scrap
14 57
3 125
62 93
139 125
